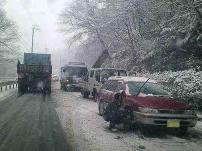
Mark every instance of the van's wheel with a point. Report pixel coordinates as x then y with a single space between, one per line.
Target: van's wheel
101 108
84 94
95 95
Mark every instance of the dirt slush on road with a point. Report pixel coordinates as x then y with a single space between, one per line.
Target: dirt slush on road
30 123
64 121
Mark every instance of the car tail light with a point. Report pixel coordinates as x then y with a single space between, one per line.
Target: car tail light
49 77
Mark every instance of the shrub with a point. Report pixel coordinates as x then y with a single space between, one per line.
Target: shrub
184 86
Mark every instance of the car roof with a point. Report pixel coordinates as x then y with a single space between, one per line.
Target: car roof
106 69
74 65
131 78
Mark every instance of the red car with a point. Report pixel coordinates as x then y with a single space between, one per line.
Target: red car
148 103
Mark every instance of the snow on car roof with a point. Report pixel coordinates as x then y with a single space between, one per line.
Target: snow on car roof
131 78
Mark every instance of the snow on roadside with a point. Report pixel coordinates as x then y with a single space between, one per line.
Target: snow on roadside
89 132
5 94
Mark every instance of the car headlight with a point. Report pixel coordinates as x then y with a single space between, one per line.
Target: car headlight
147 110
189 112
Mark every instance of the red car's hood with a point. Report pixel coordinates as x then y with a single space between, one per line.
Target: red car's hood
157 103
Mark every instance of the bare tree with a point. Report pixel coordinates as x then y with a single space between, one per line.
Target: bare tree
8 33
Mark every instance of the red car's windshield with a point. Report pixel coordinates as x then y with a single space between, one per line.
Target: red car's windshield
148 89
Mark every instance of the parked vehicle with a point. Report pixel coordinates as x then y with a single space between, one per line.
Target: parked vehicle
35 74
55 78
72 74
148 103
97 76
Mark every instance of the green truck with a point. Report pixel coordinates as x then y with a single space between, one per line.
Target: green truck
35 74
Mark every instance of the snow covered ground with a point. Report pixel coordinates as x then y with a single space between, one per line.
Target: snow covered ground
87 131
5 94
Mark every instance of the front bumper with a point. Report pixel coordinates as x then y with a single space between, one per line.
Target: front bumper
162 119
74 86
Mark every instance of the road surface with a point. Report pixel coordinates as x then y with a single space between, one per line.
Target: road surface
30 123
66 122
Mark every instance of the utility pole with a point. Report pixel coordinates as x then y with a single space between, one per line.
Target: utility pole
34 27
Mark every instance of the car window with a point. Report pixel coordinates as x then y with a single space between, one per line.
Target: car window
112 85
105 85
148 88
122 73
97 76
120 86
91 73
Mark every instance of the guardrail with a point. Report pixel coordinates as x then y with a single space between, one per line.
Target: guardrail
8 85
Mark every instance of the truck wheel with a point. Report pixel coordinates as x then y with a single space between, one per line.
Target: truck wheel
20 92
183 130
49 91
21 89
101 108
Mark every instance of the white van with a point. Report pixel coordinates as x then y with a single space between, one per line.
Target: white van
96 77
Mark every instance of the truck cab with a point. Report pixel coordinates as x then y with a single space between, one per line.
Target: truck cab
96 78
72 74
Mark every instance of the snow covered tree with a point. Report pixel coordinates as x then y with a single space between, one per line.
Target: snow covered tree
8 45
8 34
151 34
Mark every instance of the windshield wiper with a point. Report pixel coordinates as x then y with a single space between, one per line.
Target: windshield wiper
142 87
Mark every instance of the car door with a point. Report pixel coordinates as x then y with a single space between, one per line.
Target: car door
104 93
111 90
97 80
91 80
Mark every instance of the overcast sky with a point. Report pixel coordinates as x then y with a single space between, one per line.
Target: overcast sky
45 14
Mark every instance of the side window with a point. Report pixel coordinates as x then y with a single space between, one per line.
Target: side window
112 85
105 85
120 87
97 76
91 73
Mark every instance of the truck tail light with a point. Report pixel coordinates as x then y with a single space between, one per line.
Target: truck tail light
20 75
66 81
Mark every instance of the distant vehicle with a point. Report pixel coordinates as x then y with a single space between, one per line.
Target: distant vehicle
147 102
96 77
35 74
55 78
72 74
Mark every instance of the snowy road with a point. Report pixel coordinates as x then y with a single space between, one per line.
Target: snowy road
65 121
87 131
30 123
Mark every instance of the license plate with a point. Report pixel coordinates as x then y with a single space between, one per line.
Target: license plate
173 123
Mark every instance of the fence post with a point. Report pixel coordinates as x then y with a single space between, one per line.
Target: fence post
13 86
6 87
9 86
1 88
